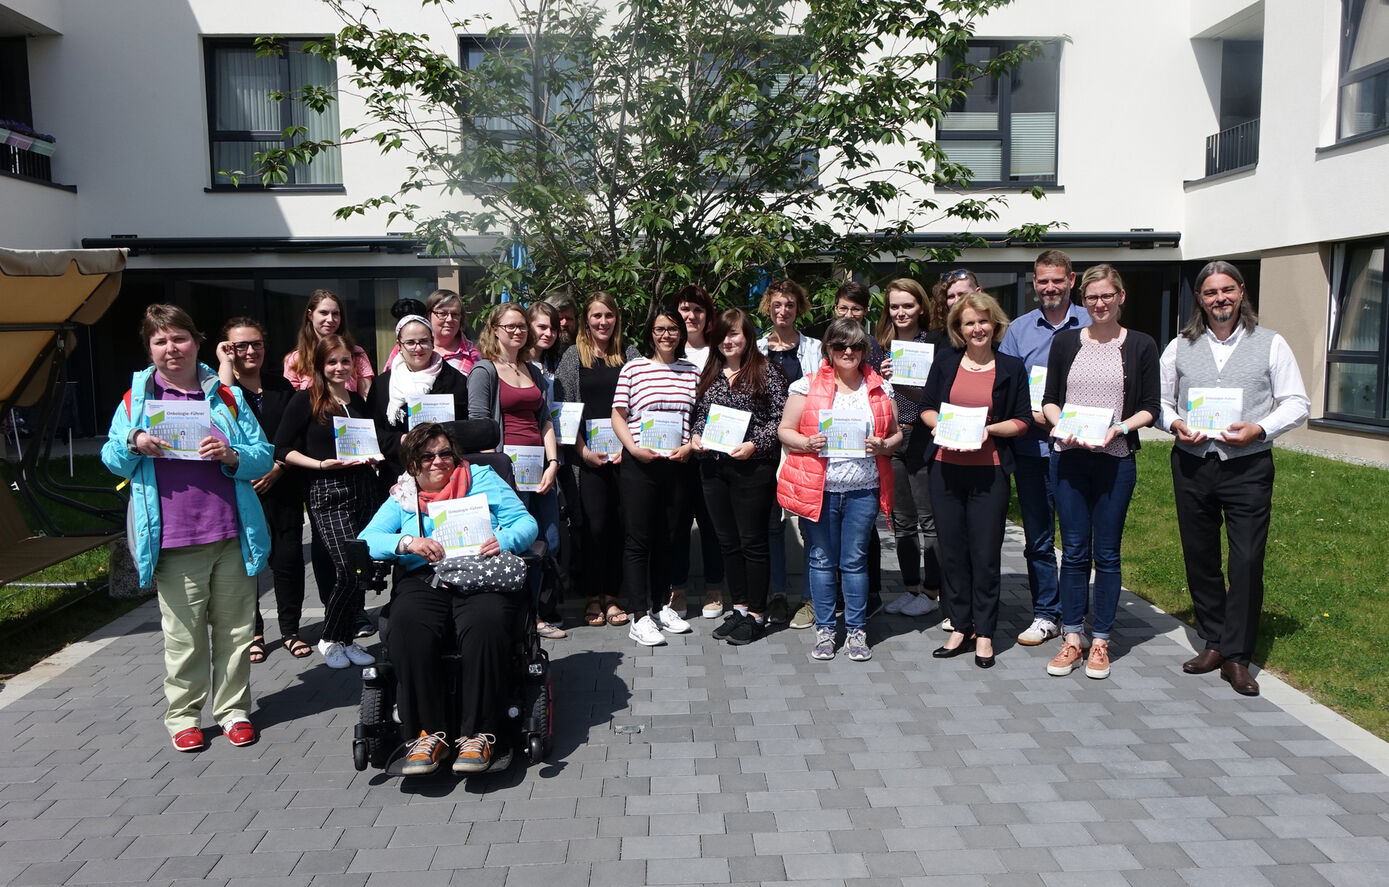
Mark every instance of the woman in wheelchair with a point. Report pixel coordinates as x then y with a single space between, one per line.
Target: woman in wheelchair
474 600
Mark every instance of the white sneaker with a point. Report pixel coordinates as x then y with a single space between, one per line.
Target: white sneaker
897 603
1039 632
946 624
333 654
919 605
358 656
645 632
669 620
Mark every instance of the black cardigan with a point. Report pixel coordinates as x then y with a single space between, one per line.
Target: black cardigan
1142 380
1010 399
449 381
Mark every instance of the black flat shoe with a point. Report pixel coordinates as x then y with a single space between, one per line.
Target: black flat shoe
984 661
966 646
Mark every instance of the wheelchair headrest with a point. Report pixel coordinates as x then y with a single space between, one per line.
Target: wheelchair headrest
473 435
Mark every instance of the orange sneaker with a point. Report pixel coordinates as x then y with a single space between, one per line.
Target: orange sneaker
1066 661
1097 665
425 754
474 754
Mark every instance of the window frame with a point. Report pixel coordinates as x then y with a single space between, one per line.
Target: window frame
215 136
1004 133
1362 74
1340 292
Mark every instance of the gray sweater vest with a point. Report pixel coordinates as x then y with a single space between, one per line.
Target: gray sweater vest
1247 369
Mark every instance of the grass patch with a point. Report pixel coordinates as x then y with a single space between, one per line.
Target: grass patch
37 622
1325 617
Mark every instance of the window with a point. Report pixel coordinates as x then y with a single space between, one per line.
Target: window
1355 366
244 115
1004 128
1364 87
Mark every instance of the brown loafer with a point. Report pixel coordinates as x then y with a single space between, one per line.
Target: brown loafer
1206 661
1238 676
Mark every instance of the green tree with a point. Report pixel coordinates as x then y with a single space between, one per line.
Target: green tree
641 146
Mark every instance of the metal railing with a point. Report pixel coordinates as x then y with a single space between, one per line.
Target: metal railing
23 162
1233 148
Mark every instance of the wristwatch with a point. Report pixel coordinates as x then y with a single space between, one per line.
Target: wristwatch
405 542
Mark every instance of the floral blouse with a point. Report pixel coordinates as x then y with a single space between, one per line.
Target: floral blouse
766 412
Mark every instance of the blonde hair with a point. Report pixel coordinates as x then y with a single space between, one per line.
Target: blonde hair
588 349
488 344
983 303
784 287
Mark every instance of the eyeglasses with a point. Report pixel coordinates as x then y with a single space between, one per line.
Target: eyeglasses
1096 298
426 458
665 331
447 315
512 328
243 347
957 274
843 346
415 344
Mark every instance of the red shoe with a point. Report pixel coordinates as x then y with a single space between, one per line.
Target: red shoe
240 732
189 740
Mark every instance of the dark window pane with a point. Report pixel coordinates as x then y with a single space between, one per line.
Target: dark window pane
1360 324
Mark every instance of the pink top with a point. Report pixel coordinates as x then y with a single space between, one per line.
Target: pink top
972 390
1097 380
361 369
519 406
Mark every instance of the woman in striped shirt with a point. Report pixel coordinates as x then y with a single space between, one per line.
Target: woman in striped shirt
651 416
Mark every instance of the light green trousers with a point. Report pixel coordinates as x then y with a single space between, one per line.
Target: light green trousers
207 610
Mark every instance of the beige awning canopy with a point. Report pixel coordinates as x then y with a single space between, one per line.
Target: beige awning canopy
41 291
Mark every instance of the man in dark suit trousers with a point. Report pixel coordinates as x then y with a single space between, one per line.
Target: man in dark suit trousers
1226 473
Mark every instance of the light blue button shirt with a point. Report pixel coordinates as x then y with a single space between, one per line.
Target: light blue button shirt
1029 339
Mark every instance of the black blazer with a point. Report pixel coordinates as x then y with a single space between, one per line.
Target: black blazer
1142 380
1010 398
449 381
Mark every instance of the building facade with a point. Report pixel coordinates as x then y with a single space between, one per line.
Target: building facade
1163 135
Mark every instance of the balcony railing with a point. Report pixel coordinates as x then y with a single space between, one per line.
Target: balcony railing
22 162
1233 148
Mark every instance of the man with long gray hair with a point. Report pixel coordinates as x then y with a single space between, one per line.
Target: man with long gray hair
1223 367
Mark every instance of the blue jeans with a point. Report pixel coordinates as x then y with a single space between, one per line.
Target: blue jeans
1093 491
837 545
1036 499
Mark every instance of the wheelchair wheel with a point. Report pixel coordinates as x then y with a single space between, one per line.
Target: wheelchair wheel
373 713
540 722
359 754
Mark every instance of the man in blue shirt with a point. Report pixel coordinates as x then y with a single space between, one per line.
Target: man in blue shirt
1029 339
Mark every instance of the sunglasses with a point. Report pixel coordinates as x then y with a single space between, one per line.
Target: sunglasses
952 276
845 346
426 458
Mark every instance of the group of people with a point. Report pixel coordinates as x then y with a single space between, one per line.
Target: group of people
707 422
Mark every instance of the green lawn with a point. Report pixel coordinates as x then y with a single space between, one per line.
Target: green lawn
1325 620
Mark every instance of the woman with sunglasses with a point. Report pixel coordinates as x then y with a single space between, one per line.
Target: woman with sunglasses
341 494
587 374
969 488
418 369
445 312
509 391
241 362
323 317
839 498
1108 366
740 486
654 484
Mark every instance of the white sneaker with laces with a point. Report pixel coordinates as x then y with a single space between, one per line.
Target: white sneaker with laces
1039 632
899 602
919 605
645 632
358 656
333 654
669 620
946 624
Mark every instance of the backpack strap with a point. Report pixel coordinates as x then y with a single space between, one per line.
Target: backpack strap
223 393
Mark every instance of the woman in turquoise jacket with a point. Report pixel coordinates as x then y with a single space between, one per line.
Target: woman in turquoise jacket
468 603
195 527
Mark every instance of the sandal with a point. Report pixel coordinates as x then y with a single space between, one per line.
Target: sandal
614 614
297 648
594 614
257 650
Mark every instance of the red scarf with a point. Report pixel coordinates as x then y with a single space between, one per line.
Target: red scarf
456 487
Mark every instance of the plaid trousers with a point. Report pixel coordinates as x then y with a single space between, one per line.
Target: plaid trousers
340 505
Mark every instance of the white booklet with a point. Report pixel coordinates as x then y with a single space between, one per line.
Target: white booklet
662 433
354 440
911 362
600 437
429 408
567 417
961 428
1086 424
725 428
527 465
461 525
183 424
845 432
1036 386
1213 409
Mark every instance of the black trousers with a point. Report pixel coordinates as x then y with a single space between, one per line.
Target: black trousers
971 505
285 516
425 623
600 530
913 522
654 496
695 512
1239 493
739 495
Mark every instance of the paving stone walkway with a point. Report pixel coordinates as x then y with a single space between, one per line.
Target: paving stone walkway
752 765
